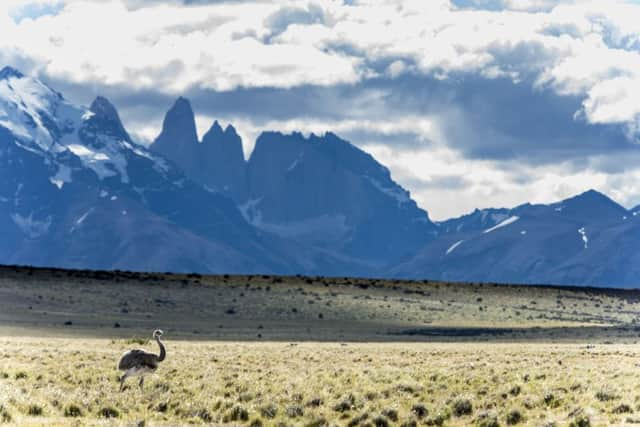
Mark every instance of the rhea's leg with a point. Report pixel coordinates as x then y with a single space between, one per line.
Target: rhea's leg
122 378
141 381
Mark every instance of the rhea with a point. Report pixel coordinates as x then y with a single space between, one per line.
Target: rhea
139 362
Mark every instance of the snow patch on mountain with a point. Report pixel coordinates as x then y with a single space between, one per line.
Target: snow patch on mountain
295 163
495 217
87 115
453 247
397 193
105 164
84 216
63 176
30 226
250 211
159 164
321 228
318 229
81 219
21 101
44 123
504 223
585 238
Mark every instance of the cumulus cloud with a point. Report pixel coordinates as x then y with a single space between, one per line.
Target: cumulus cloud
575 48
171 48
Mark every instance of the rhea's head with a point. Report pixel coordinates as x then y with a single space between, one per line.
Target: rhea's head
157 333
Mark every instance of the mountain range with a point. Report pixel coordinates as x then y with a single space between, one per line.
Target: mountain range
76 191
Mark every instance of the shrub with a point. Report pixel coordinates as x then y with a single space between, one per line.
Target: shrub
269 411
438 420
315 402
392 414
72 411
605 396
204 415
237 413
580 421
514 417
419 410
380 422
487 420
35 410
462 407
294 411
109 412
320 422
622 409
355 421
346 405
551 400
5 416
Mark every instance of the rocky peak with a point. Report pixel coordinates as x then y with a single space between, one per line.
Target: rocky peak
178 140
228 141
106 118
8 72
230 130
179 123
214 132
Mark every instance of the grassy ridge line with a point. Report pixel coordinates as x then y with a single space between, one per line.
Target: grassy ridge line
265 307
116 274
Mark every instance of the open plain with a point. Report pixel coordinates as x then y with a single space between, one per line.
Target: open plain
289 351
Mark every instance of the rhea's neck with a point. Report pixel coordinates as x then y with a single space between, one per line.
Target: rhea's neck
163 352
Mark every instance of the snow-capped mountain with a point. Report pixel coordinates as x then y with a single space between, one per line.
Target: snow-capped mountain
585 240
75 191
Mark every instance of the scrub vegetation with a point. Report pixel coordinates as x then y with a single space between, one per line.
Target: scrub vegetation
255 351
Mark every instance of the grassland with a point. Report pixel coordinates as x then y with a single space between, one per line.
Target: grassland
266 350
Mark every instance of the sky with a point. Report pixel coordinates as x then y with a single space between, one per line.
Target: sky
469 103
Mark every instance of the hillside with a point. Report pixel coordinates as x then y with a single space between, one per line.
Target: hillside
263 307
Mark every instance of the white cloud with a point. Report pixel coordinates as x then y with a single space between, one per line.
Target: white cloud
171 48
489 184
530 5
574 47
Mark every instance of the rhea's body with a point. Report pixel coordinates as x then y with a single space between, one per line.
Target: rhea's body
138 362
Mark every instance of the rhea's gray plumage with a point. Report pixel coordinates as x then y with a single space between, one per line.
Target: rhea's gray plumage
139 362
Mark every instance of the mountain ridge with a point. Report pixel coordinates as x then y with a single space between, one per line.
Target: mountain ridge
76 191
